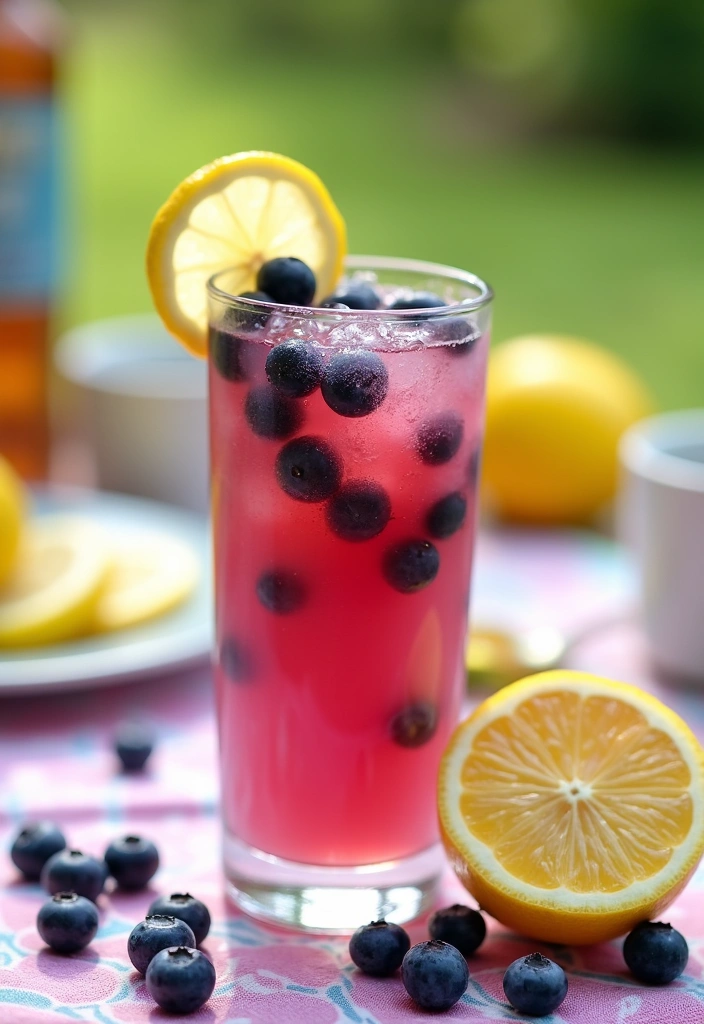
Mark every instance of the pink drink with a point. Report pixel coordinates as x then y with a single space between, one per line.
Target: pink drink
343 549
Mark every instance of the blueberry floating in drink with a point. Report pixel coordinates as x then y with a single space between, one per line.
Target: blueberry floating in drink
226 354
414 725
355 383
359 511
439 438
235 660
354 296
419 300
411 565
270 415
287 280
295 368
281 591
308 469
446 516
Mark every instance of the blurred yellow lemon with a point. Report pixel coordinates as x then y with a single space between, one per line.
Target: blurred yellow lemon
150 575
556 408
53 589
12 513
572 807
234 214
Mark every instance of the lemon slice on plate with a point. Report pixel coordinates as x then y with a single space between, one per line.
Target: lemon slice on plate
572 807
235 214
53 589
150 574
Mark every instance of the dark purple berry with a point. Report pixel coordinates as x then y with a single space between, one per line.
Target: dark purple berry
535 985
439 438
227 355
281 591
271 415
414 725
458 335
132 861
355 383
134 743
295 368
234 660
157 932
186 908
67 922
462 927
379 948
354 296
474 465
288 280
446 516
655 953
73 871
419 300
435 975
308 469
359 511
33 845
241 320
412 565
180 980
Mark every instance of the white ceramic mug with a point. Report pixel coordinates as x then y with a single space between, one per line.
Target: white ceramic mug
145 408
661 516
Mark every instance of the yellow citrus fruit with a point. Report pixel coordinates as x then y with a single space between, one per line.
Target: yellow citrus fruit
234 214
53 589
12 513
150 575
572 807
556 408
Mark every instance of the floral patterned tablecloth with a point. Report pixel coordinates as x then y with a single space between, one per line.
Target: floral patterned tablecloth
55 760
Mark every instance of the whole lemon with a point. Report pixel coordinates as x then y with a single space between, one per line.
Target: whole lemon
12 512
556 408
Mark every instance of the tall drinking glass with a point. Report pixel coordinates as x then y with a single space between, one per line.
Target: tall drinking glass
345 447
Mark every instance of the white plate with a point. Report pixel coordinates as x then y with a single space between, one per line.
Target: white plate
178 640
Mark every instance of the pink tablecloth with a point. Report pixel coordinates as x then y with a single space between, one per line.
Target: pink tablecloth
55 761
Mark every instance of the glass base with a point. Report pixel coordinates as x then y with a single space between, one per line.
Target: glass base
330 900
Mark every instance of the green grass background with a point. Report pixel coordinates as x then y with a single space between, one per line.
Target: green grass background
607 243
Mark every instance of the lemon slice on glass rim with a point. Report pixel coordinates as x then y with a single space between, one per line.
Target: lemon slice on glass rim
572 807
235 214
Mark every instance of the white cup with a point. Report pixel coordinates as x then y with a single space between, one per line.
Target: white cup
661 517
145 412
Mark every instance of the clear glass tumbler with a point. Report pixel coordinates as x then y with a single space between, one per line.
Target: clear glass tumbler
345 449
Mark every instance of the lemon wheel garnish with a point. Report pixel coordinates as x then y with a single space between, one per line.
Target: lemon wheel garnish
13 509
54 587
151 574
234 214
572 807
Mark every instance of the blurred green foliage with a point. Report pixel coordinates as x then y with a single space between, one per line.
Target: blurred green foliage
588 238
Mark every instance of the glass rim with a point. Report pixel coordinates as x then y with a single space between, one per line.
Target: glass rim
355 262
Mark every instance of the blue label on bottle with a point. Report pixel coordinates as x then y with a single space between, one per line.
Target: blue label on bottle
27 192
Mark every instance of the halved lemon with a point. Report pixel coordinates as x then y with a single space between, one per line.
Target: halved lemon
150 575
234 214
54 586
572 806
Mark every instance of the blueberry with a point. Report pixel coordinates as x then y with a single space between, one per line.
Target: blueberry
462 927
73 871
655 953
535 985
134 743
446 516
235 660
33 845
287 280
226 353
242 320
354 296
295 368
180 980
355 383
459 335
154 933
434 974
439 438
258 296
474 465
414 725
359 511
329 304
132 861
270 415
379 948
184 907
308 469
67 922
419 300
280 591
412 565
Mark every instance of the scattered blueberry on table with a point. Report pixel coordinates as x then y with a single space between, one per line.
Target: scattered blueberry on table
132 861
74 871
434 974
33 845
67 922
134 743
154 933
186 908
463 927
655 953
180 979
535 985
378 948
287 280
